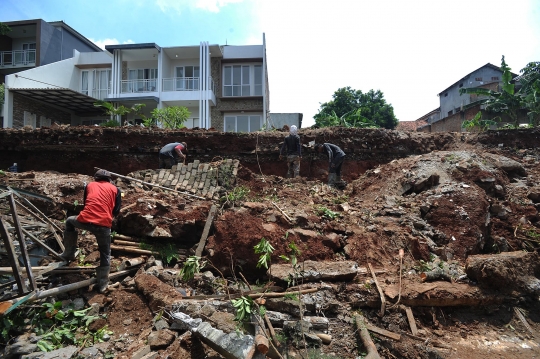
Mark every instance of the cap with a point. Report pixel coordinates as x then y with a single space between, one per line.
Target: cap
102 174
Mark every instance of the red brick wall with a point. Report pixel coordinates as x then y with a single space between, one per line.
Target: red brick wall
23 103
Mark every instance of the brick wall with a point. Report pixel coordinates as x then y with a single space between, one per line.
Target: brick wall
23 103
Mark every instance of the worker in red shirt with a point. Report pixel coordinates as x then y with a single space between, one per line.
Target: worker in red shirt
102 201
171 154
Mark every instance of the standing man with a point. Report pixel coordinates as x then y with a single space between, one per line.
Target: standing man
170 154
293 149
102 201
335 160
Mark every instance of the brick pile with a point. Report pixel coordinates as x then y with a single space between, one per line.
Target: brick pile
206 180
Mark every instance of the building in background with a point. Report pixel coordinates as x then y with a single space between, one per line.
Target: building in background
278 120
224 87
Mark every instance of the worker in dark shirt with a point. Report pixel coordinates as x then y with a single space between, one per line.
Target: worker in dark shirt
292 148
171 154
102 201
335 161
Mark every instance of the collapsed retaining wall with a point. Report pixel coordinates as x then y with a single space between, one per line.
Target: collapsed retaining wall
126 149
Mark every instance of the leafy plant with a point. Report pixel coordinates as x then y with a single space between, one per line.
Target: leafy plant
110 123
3 173
477 124
340 199
115 112
171 117
291 296
293 258
57 326
326 213
265 249
191 266
238 194
244 308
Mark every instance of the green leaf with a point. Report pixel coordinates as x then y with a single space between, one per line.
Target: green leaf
45 346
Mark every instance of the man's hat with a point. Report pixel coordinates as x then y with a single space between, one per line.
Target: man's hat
102 174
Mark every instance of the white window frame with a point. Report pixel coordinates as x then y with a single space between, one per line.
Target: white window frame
98 90
192 122
247 86
148 77
29 119
251 117
44 121
187 83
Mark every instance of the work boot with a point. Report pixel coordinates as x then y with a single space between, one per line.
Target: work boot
70 244
102 275
331 179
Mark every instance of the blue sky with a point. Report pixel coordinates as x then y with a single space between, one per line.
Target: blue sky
410 50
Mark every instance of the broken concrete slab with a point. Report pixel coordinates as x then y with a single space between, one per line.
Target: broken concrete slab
159 294
232 346
507 271
315 271
62 353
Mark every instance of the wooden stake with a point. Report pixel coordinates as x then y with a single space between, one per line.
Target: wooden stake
412 323
381 294
206 231
366 339
383 332
283 213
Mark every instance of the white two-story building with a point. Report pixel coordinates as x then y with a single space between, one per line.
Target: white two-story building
224 87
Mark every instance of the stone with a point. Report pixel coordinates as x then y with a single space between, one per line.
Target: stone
306 234
270 227
97 324
506 164
161 339
62 353
290 306
139 354
507 271
331 240
344 207
21 346
316 271
534 195
78 303
223 321
255 207
151 355
277 318
161 324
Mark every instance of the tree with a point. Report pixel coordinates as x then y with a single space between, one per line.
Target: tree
352 108
112 111
530 88
2 94
4 29
171 117
505 102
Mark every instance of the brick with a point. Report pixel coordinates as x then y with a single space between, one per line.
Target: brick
206 167
196 164
189 167
173 168
161 175
188 175
183 169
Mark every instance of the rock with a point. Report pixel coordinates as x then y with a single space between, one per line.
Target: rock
306 234
301 219
139 354
161 339
157 293
315 271
78 303
318 323
506 164
277 318
344 207
97 324
62 353
331 240
508 271
223 321
161 324
534 195
290 306
270 227
22 345
255 207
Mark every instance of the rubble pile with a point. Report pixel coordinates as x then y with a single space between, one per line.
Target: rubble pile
435 255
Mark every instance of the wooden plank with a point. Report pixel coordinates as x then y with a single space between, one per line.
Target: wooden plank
383 332
381 294
8 244
206 231
412 323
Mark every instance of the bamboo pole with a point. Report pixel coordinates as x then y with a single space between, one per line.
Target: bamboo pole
283 213
381 293
126 243
152 185
366 339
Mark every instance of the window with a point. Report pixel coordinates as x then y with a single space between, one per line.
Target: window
446 94
142 80
187 78
192 123
242 123
495 78
91 122
84 83
29 119
477 79
44 122
29 52
242 80
460 85
102 79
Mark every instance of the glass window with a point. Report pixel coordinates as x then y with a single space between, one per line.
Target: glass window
254 123
230 124
84 82
242 124
242 80
258 80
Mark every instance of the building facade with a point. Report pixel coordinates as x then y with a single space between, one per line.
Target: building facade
223 87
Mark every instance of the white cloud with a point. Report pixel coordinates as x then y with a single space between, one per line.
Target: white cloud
410 50
179 5
102 43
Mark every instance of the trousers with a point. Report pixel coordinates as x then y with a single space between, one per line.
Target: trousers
102 234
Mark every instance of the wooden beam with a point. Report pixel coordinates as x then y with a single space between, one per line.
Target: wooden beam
206 231
381 293
412 323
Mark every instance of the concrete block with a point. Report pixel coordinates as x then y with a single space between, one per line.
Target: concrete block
139 354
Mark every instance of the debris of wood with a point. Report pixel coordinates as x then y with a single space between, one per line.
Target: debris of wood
383 332
381 294
126 243
131 250
283 213
524 321
366 338
315 271
412 323
125 238
271 331
326 339
206 231
261 341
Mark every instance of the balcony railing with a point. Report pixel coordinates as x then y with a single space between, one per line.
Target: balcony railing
139 86
17 58
185 84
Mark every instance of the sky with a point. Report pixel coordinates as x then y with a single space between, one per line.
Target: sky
410 50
